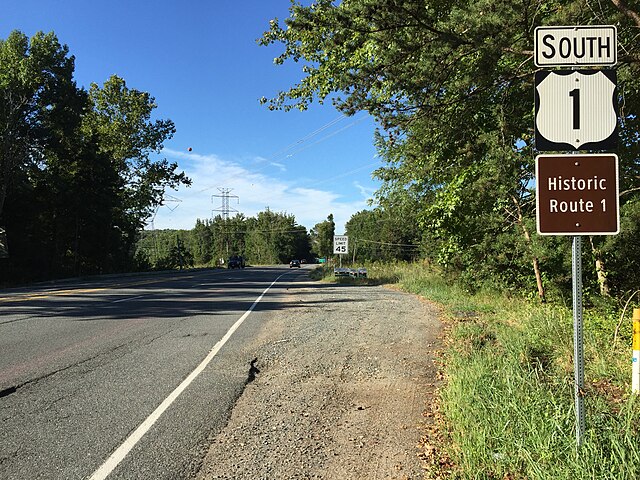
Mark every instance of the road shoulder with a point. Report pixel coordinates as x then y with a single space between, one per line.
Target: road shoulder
344 376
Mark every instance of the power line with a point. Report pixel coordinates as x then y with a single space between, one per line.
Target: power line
307 137
280 155
408 245
355 122
345 174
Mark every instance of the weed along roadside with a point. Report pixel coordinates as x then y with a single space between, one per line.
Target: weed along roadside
506 409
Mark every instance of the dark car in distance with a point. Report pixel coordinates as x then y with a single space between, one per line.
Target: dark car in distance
294 263
235 262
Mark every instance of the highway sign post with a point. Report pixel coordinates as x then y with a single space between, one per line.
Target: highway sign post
576 194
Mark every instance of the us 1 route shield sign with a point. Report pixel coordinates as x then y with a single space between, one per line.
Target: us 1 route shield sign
575 110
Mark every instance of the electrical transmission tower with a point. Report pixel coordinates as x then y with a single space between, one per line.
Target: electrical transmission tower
225 209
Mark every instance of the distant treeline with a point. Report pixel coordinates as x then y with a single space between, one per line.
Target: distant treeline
274 238
266 239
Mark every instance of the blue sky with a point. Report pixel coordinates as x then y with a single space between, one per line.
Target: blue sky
201 62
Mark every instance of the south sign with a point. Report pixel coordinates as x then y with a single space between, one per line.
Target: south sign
575 46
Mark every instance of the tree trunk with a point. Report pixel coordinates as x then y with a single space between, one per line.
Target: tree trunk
601 271
535 262
536 269
624 8
3 195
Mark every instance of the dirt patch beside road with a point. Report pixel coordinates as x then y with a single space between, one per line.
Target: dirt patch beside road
344 374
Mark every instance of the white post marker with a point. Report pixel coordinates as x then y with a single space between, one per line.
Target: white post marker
635 373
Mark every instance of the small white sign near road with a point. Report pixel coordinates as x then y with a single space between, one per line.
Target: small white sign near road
340 244
594 45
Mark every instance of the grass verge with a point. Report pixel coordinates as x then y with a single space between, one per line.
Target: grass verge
507 403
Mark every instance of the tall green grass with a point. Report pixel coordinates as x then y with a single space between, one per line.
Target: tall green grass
508 400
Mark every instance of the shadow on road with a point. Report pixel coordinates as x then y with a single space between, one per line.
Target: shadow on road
174 295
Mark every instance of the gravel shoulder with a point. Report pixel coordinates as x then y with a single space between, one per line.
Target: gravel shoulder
343 378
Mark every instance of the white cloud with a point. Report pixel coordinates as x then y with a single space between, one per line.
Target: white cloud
250 192
280 166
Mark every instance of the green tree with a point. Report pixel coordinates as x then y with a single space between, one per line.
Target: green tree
35 78
201 242
302 242
272 238
384 234
166 249
451 85
322 237
77 178
228 236
154 245
59 215
268 238
120 118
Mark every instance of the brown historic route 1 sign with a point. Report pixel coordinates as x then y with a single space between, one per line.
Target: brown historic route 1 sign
577 194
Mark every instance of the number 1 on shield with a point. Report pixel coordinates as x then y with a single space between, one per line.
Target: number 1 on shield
575 95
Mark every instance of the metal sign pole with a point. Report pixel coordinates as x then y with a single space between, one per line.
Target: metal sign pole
578 347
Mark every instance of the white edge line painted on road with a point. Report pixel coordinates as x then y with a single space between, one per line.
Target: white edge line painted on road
116 457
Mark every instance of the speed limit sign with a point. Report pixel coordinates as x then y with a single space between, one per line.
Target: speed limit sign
340 244
575 110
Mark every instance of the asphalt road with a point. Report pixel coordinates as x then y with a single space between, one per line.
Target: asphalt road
83 365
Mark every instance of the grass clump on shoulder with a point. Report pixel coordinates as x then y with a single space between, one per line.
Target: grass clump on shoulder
507 402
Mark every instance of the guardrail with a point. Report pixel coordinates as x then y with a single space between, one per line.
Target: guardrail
350 272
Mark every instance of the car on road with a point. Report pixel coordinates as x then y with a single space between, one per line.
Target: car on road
235 262
294 263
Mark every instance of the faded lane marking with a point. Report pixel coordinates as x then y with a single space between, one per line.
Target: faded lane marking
61 293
